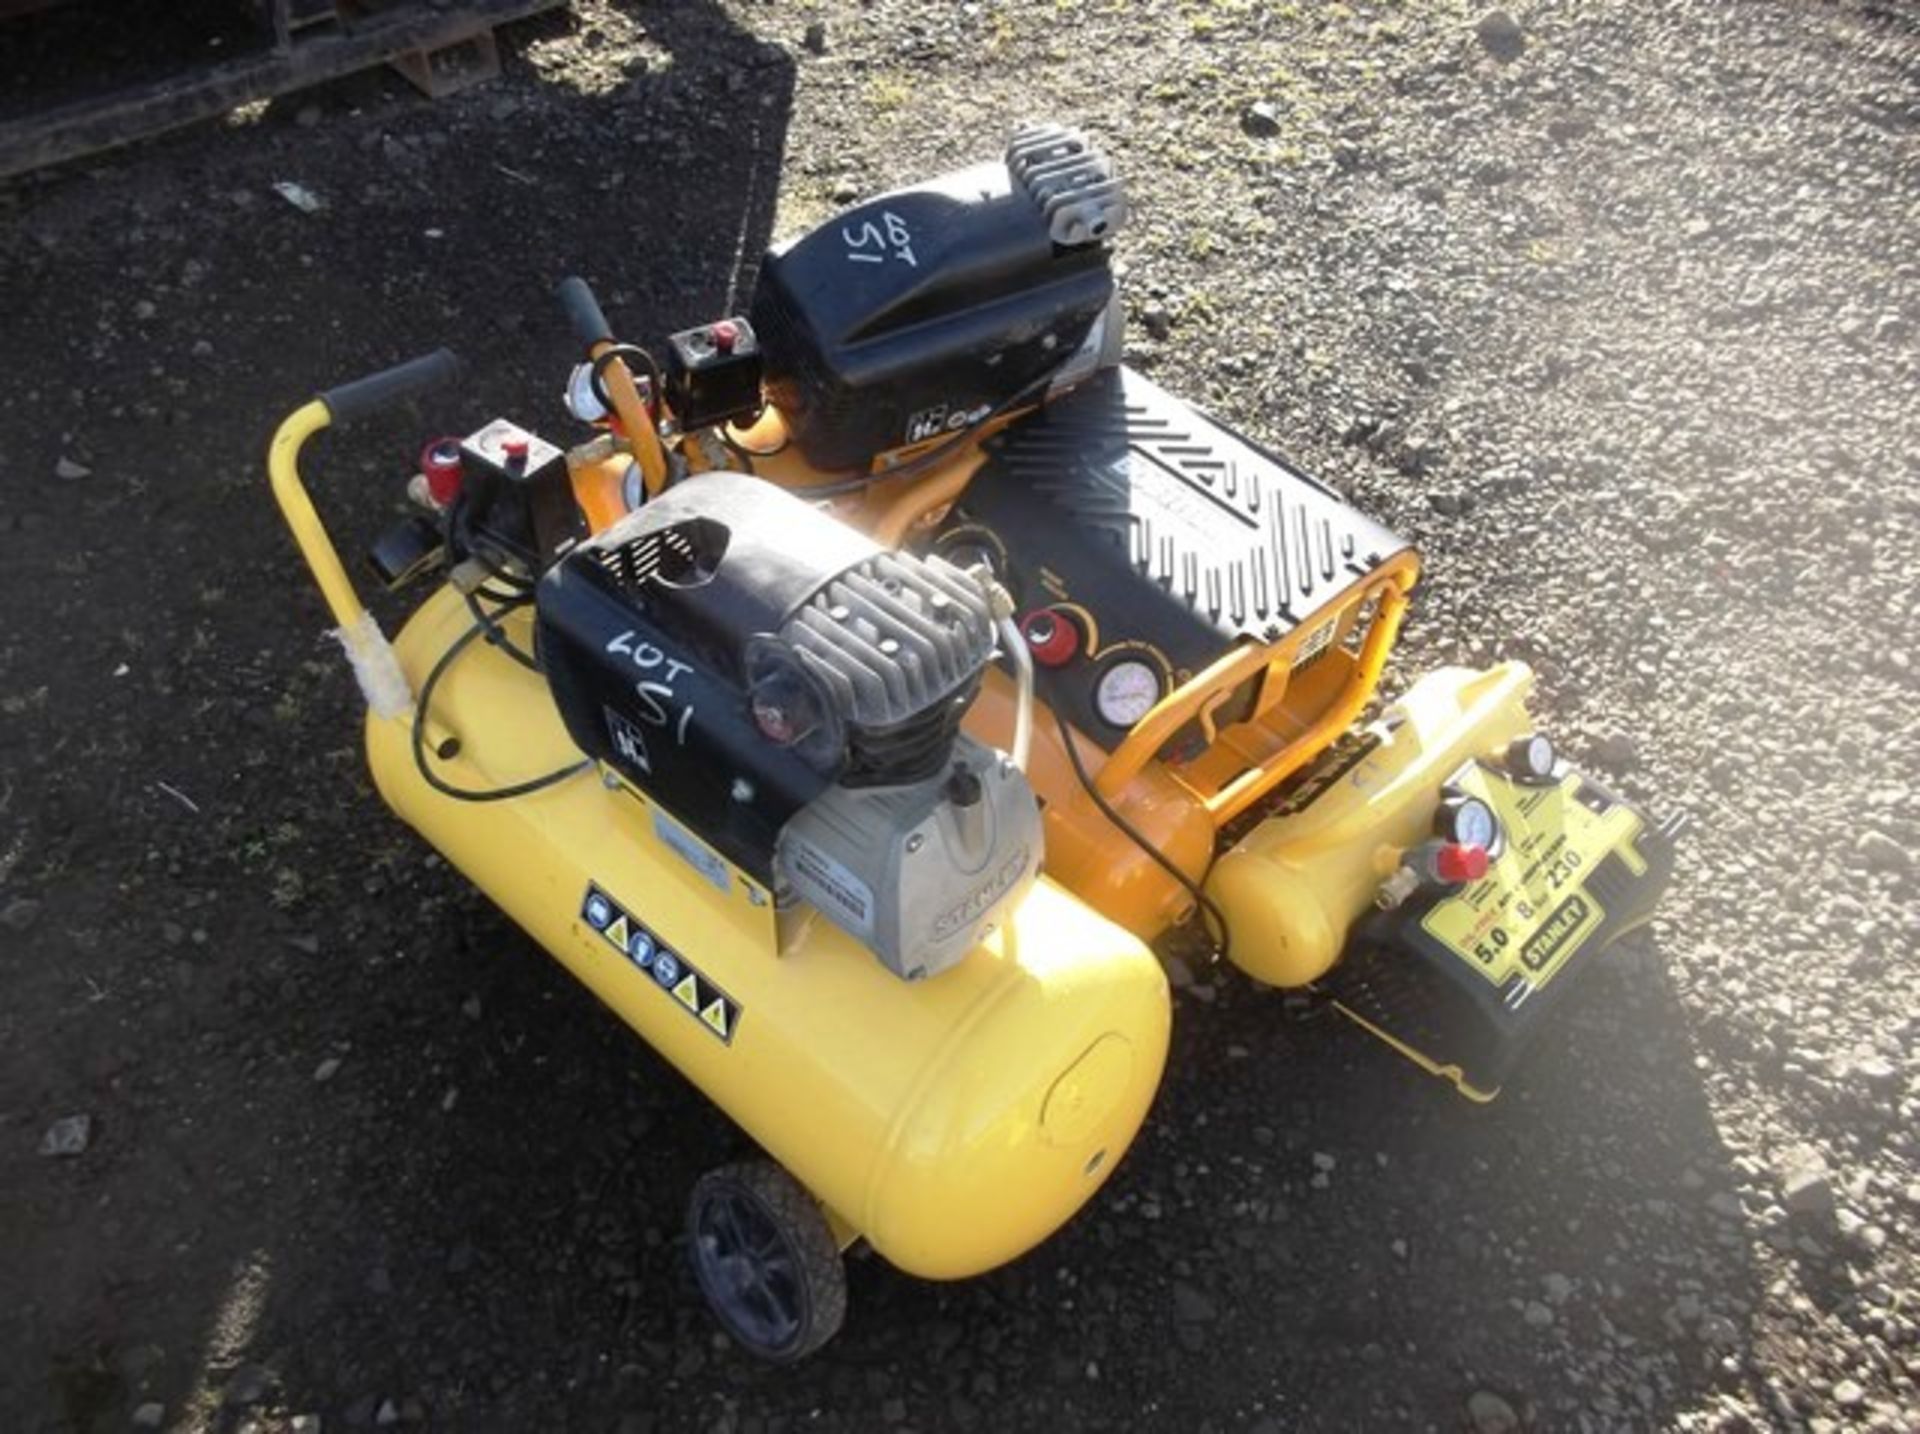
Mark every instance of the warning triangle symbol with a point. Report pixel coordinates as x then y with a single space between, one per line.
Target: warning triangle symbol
716 1016
617 933
688 992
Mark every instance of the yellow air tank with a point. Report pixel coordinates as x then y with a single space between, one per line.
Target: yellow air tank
1294 885
954 1122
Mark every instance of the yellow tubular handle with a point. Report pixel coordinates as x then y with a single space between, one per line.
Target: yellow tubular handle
633 415
590 326
283 471
1237 665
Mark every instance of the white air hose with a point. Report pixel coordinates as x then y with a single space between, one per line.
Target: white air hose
1000 602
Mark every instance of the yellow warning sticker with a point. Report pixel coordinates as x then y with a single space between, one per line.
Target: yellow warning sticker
1531 912
669 971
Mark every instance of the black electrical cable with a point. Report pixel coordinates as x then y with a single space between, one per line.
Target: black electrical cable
1200 897
440 784
726 437
497 635
624 352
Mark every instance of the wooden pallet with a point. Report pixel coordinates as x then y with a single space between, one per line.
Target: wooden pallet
441 47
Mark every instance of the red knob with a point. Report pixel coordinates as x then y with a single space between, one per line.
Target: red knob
1051 636
440 463
514 450
1457 865
725 334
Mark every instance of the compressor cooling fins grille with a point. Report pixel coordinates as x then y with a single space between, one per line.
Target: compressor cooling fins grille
893 636
1229 535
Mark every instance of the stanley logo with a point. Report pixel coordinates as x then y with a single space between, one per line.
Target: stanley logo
980 900
1566 919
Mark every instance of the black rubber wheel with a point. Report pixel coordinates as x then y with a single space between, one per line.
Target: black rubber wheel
766 1260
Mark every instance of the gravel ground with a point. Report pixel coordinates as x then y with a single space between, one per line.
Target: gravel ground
1613 308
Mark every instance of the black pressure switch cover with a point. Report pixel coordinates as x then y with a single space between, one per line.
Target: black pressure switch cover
713 373
518 492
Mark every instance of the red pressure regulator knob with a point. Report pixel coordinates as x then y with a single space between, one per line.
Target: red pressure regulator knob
1458 863
1051 636
440 464
725 335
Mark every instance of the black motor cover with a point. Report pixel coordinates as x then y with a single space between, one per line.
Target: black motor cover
914 314
733 651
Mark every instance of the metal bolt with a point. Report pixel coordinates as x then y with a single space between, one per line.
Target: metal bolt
915 842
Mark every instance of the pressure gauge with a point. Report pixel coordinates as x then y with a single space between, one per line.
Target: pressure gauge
1467 821
1530 758
582 402
1126 692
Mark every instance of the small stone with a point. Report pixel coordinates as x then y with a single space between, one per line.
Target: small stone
71 469
1719 1332
1875 1072
20 914
144 309
1190 1306
1156 320
67 1136
1558 1288
1881 852
1261 119
1849 1394
1501 36
1890 329
326 1070
1616 751
470 1008
1537 1315
1726 1205
248 1384
1449 505
1808 1193
1323 1161
388 1413
845 191
816 37
304 1424
150 1415
1488 1413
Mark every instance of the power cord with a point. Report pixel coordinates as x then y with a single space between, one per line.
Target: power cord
440 784
1205 903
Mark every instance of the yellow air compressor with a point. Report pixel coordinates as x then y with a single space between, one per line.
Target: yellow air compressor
885 670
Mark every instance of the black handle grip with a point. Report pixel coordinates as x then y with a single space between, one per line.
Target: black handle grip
590 326
350 402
